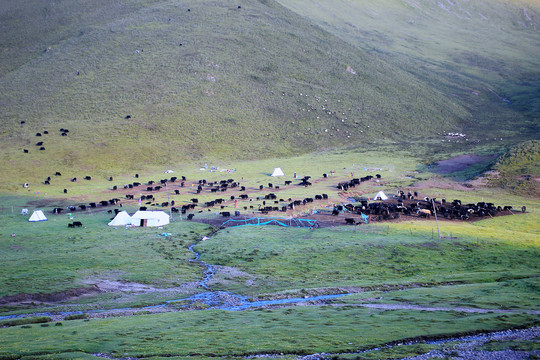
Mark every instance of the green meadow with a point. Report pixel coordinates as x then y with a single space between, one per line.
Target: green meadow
295 331
489 265
438 98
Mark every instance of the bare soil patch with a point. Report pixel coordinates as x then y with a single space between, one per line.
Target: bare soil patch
71 294
224 274
93 287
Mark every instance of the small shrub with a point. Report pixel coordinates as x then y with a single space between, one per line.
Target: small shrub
76 317
28 320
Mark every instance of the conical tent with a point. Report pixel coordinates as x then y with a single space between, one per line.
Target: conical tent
37 215
150 218
277 172
380 196
121 219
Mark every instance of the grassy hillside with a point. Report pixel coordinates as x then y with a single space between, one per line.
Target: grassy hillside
484 54
519 169
248 80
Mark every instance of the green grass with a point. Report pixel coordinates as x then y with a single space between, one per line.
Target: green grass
499 294
26 321
220 333
455 46
516 345
391 163
489 264
519 169
281 259
47 257
268 81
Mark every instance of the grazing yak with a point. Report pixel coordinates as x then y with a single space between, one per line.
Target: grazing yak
423 213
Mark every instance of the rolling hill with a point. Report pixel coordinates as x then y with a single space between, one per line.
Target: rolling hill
157 82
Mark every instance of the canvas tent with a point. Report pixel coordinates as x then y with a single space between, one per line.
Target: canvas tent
121 219
150 218
277 172
37 215
380 196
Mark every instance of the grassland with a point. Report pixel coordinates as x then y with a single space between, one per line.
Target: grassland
309 86
278 259
488 265
47 259
215 333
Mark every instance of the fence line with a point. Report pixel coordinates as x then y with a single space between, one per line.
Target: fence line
286 222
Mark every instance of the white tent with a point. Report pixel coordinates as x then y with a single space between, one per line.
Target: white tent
277 172
37 215
150 218
121 219
380 196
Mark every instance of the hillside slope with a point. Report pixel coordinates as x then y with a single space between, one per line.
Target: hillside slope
139 82
484 53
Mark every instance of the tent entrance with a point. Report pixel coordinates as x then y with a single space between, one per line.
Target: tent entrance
144 222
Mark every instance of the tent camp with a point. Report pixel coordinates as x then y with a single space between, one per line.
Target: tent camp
380 196
150 218
121 219
277 172
37 215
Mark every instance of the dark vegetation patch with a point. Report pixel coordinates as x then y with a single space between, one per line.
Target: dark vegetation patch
518 170
25 321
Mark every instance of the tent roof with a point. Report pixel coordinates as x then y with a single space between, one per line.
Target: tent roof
150 215
380 195
122 218
277 172
37 215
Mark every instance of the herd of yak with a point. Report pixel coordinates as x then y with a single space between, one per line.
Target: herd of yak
401 204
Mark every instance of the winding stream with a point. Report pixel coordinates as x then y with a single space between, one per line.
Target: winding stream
228 301
221 300
224 300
